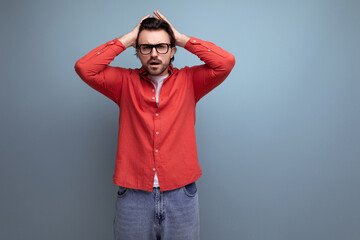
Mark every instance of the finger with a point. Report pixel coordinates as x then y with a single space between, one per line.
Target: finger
145 17
161 16
157 15
142 20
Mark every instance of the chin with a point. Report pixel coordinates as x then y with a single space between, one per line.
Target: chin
156 72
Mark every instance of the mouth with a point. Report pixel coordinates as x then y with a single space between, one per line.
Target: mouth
154 63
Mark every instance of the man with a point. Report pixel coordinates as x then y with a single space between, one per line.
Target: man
156 163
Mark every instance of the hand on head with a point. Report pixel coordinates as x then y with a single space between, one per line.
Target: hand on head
129 39
180 39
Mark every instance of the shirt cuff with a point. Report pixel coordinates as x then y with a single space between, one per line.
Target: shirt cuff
196 45
116 45
192 41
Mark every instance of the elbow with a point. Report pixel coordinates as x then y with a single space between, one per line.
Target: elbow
78 68
230 62
82 70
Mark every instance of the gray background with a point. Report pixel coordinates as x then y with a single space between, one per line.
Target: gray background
278 141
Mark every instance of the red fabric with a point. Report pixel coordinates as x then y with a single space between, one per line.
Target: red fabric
156 138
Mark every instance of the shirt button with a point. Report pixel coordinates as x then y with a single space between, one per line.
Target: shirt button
154 169
157 132
209 50
156 114
98 52
156 150
194 41
153 90
153 97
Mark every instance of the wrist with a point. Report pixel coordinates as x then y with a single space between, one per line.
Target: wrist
182 40
128 40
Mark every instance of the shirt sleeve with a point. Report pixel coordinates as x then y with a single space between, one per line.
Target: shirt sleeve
218 65
94 69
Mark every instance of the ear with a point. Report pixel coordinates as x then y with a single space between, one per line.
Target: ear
173 50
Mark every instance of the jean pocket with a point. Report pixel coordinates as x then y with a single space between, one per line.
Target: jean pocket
190 189
121 191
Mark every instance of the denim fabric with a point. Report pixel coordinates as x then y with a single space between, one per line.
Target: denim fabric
157 215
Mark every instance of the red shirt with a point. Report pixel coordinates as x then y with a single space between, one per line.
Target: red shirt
156 138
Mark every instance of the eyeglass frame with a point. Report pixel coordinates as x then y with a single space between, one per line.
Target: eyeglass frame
154 46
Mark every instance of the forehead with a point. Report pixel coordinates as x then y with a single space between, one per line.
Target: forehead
153 37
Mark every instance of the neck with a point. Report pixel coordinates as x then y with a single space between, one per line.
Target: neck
158 76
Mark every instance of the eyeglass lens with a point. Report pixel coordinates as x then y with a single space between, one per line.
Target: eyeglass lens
160 48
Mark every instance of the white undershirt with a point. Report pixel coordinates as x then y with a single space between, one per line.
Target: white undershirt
157 81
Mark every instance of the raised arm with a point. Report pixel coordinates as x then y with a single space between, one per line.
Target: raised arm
218 62
94 69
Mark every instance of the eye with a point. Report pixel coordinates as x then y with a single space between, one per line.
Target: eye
161 46
145 47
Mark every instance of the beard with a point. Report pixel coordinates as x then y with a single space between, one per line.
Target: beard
155 67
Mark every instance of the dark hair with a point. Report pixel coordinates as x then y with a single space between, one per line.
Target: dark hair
154 24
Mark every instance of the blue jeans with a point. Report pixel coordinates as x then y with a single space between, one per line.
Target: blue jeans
157 215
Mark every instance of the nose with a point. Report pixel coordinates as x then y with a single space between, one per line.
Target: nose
153 52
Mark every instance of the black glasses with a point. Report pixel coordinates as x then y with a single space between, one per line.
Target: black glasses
161 48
